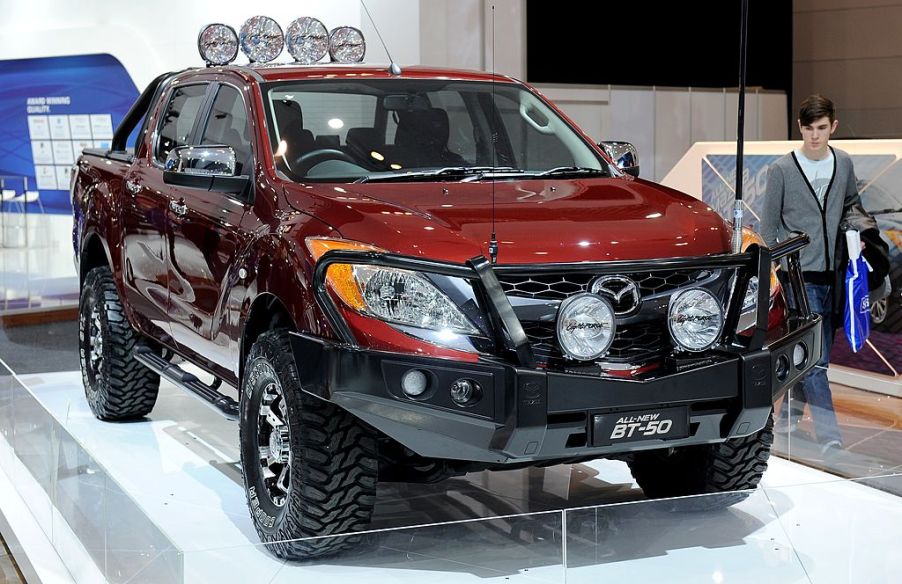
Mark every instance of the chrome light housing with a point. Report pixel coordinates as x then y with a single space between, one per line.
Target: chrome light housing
695 319
585 326
307 40
346 45
261 39
409 298
217 44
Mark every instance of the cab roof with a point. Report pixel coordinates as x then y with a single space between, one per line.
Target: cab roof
292 72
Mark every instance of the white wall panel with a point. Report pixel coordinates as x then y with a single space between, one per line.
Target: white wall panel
632 119
707 113
673 129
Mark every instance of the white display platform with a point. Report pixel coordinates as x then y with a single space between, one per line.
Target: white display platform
160 501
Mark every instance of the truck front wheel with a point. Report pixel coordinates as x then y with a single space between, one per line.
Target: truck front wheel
310 468
734 465
117 386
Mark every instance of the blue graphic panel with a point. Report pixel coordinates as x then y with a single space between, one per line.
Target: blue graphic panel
50 109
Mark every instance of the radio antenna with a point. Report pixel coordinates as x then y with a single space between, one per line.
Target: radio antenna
740 130
393 68
493 241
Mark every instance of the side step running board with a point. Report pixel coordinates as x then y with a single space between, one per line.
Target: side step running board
185 380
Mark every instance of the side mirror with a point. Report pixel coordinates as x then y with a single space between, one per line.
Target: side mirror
211 168
624 155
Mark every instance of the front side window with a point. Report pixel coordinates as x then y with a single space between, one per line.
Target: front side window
394 129
178 120
227 125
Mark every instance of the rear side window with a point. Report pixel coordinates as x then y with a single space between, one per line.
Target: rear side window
228 125
178 119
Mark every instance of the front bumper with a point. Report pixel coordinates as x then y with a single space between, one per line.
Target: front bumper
529 414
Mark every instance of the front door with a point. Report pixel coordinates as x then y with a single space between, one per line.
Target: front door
205 240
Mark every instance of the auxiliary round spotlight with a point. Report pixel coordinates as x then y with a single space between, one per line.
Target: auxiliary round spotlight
217 44
799 355
307 40
695 319
261 39
464 391
585 326
414 383
346 45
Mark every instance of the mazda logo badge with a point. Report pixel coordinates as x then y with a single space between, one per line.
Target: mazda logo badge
623 293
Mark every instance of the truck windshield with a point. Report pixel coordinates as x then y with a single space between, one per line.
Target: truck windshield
403 129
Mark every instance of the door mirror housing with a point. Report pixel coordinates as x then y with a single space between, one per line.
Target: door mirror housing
624 155
211 168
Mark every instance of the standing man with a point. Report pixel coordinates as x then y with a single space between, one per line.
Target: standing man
807 190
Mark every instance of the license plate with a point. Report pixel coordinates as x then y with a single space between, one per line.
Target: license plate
660 424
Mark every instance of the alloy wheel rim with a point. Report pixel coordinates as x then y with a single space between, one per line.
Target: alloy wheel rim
94 338
273 443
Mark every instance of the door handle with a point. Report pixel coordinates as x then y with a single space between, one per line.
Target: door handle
133 186
180 209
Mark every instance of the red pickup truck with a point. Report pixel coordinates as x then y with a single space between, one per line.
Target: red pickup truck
411 275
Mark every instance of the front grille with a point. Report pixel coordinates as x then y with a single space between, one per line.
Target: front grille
560 286
643 339
632 343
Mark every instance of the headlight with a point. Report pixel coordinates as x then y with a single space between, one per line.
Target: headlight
218 44
261 39
406 297
307 40
346 45
585 326
750 301
695 319
390 294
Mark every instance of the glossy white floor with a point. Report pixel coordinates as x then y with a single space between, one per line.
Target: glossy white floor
160 500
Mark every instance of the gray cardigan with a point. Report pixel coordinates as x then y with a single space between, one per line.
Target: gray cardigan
791 205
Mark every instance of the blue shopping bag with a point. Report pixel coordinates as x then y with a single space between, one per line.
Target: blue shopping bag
857 312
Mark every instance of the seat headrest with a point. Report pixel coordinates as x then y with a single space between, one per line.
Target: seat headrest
288 114
423 128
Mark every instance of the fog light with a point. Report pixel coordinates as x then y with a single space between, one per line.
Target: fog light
464 391
414 383
782 368
799 355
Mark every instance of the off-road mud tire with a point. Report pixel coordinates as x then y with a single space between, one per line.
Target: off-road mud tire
733 468
333 464
121 388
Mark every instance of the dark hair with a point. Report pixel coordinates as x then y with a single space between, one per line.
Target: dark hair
814 108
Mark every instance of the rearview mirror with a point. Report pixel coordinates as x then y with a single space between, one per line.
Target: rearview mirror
211 168
624 155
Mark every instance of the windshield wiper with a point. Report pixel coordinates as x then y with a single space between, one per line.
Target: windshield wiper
572 170
466 172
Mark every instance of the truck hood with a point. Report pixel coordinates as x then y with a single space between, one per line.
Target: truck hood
536 221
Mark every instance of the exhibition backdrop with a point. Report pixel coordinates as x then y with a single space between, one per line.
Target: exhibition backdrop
51 109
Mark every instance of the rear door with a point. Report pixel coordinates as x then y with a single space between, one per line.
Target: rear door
205 238
146 202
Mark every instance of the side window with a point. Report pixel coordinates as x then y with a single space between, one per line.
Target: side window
228 125
178 119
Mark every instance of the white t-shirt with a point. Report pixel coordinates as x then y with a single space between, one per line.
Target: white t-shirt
818 172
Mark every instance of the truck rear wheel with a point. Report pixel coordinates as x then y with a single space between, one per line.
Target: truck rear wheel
734 465
117 386
310 468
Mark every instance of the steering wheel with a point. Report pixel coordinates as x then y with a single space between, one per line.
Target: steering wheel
307 161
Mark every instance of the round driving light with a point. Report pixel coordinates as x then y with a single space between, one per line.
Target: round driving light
218 44
261 39
307 40
782 368
799 355
464 391
414 383
695 319
585 326
346 45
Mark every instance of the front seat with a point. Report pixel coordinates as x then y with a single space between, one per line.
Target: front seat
422 139
290 120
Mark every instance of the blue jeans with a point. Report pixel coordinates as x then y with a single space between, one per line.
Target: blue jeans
815 386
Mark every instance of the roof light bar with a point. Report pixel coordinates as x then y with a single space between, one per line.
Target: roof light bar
346 45
261 39
307 40
217 44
